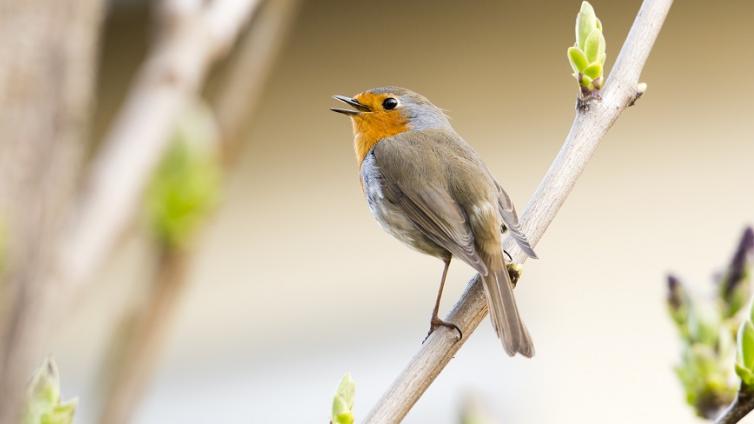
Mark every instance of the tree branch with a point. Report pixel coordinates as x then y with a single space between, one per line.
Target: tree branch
194 34
237 98
589 126
48 55
138 345
136 349
740 407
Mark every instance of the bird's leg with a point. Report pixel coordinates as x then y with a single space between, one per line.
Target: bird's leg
436 321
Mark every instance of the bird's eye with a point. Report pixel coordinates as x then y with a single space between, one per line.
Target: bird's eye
390 103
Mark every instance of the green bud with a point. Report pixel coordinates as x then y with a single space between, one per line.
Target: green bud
706 379
342 405
43 405
679 305
473 411
586 82
704 328
595 45
745 344
586 22
587 56
185 187
593 71
734 288
578 60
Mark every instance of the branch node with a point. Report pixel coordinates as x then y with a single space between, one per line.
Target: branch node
641 88
586 98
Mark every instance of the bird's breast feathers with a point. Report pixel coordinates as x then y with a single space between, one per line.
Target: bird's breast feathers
369 129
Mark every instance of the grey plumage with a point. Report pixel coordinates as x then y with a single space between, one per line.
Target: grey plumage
430 189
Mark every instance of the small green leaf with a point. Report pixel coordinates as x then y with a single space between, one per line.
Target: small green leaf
339 406
593 71
185 187
595 44
586 22
342 404
347 390
586 82
578 60
43 405
746 376
602 58
746 345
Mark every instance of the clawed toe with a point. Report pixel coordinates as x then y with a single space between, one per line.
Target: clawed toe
437 322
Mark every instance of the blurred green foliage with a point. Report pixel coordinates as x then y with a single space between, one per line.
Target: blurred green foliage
185 187
707 330
43 404
474 411
342 403
745 356
587 56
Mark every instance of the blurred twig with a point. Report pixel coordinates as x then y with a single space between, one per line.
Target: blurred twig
47 72
137 349
589 126
741 406
136 352
193 35
237 98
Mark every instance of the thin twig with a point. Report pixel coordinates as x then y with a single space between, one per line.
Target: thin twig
740 407
136 350
238 96
586 131
137 358
48 56
194 34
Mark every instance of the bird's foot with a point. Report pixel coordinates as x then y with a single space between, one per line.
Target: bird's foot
437 322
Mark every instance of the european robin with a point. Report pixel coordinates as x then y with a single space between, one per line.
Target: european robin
430 189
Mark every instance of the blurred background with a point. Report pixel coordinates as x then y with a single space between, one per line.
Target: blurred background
293 283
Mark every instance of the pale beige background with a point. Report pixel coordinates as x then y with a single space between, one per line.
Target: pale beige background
297 284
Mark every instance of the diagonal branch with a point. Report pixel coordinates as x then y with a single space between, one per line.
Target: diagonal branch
589 126
137 347
193 35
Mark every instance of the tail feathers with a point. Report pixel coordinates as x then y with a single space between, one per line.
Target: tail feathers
504 314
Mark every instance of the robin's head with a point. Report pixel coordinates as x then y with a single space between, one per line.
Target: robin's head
387 111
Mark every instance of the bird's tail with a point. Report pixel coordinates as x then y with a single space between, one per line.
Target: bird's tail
504 314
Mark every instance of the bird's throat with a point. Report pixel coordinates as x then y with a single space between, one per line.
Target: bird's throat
371 128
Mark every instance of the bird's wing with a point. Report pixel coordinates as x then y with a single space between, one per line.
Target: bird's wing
510 218
412 179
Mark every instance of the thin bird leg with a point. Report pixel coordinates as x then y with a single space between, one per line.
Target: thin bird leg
436 321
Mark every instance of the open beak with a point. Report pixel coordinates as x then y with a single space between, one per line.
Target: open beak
351 102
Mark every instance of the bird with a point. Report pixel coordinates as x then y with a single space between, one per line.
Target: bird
430 189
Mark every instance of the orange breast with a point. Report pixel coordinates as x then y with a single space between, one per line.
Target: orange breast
370 128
